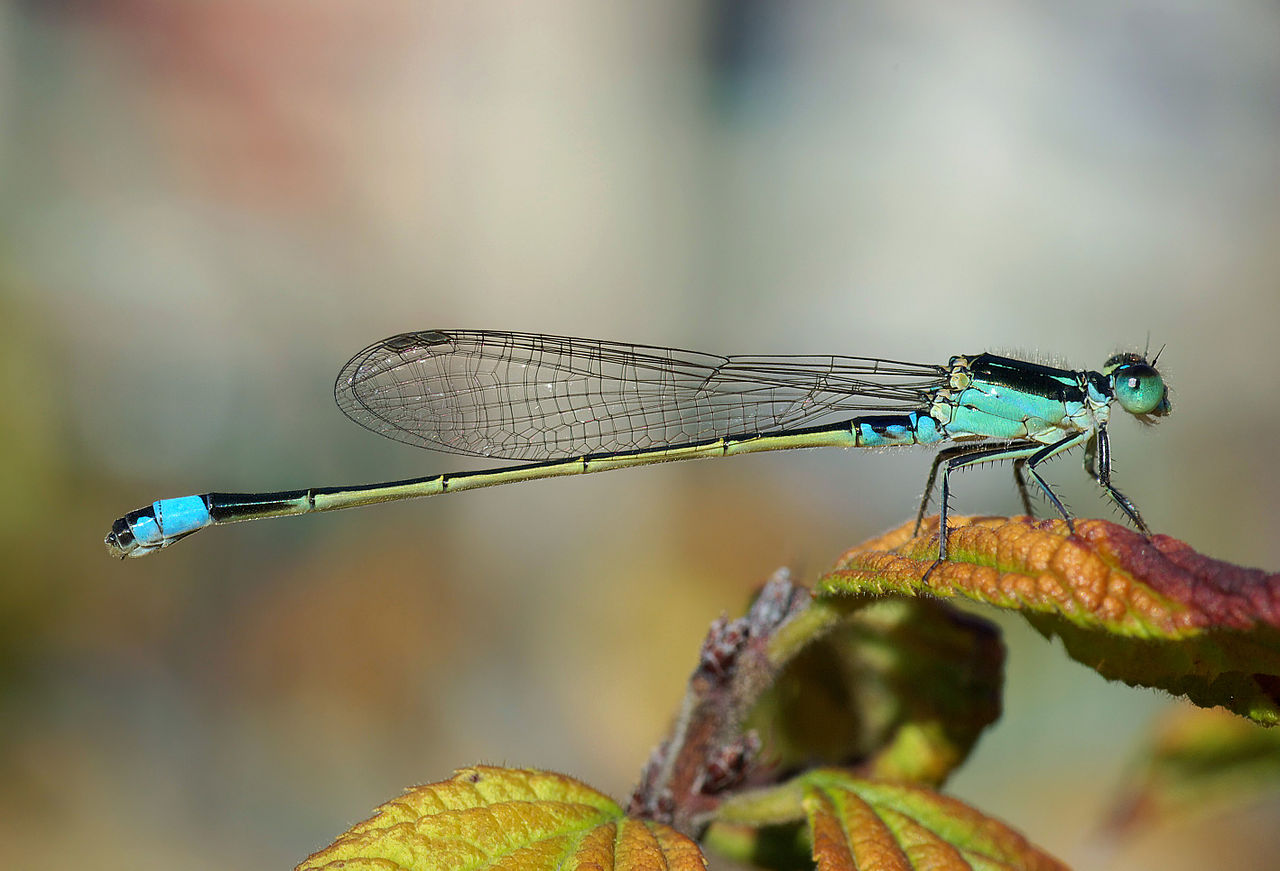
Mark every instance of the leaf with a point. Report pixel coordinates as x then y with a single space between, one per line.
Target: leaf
491 817
878 825
1149 612
782 847
870 825
1199 761
903 687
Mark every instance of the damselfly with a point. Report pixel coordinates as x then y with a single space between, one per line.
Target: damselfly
569 406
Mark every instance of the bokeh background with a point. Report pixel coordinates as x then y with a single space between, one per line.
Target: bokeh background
206 208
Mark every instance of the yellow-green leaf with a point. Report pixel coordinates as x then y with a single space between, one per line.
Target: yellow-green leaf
1199 761
881 826
902 686
488 817
1150 612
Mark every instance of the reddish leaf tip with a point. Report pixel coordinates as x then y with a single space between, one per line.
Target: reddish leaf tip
1148 611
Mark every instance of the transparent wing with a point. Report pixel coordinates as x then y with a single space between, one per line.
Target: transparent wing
522 396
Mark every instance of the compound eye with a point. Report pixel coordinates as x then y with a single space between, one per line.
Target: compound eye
1139 389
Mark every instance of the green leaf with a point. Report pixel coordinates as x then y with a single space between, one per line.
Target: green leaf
782 847
489 818
904 687
1148 612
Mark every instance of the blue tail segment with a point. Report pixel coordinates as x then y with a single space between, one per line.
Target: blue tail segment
159 525
885 430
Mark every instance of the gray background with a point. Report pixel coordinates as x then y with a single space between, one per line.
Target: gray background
205 208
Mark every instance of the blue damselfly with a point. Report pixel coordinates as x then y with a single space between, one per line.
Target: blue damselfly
568 406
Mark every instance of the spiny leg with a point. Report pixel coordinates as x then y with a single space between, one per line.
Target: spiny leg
1100 446
947 454
1026 458
943 456
1044 453
1020 481
1017 451
1090 457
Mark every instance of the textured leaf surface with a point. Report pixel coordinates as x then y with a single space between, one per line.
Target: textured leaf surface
1148 612
880 826
488 818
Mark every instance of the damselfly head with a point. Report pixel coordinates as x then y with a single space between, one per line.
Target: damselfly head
1137 386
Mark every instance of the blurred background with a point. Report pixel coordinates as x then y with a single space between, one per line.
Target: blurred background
206 208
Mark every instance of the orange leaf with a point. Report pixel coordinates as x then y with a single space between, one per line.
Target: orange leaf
1148 612
879 826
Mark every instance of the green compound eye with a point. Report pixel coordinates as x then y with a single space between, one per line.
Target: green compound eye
1139 389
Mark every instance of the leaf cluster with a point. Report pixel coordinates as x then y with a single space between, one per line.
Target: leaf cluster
819 728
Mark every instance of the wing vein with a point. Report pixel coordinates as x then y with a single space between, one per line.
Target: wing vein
531 397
